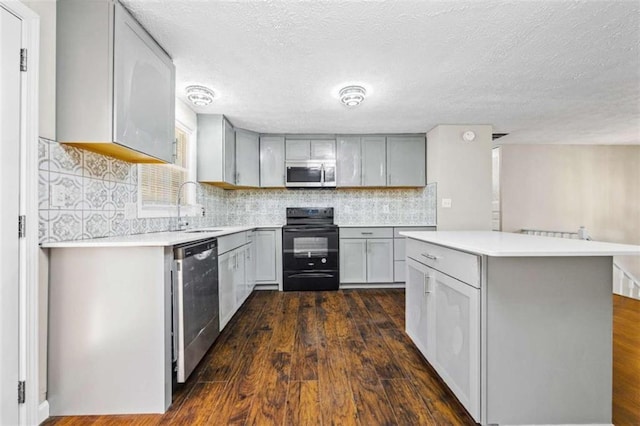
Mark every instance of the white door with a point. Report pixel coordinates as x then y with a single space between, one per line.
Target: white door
456 339
348 161
380 260
374 161
272 161
353 260
247 155
10 43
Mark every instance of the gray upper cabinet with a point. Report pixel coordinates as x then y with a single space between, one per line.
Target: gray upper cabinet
272 162
361 161
406 161
115 85
216 153
349 161
247 158
310 149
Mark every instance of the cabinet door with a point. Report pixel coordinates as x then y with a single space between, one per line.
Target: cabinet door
456 340
348 167
374 161
144 90
239 277
226 269
406 161
297 149
247 159
250 264
272 161
323 149
380 260
353 260
419 316
229 153
265 243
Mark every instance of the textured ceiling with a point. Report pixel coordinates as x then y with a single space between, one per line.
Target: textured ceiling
543 71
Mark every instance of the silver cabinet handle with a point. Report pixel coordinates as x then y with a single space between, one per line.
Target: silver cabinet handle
428 288
366 233
430 256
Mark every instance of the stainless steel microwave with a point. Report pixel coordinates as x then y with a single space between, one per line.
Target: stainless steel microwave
311 174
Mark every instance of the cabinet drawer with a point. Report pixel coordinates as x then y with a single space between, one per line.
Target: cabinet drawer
398 230
230 242
460 265
366 232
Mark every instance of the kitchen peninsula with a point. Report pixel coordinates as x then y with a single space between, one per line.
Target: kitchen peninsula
518 326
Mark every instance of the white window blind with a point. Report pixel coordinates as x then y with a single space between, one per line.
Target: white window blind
159 183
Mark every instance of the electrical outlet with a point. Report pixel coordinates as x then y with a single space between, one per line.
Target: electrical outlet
58 196
385 208
446 203
130 210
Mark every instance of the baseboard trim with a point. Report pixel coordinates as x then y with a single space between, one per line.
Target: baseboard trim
349 286
43 411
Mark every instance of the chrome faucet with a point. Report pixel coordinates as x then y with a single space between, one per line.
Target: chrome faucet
182 224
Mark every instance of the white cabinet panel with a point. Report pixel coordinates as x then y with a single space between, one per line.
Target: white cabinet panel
406 161
229 153
272 161
349 171
380 260
298 149
239 276
353 260
266 256
226 269
399 271
419 307
247 159
250 264
143 90
456 354
374 158
323 149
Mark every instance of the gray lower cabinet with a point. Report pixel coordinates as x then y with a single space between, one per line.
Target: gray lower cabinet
115 85
519 340
406 161
247 158
216 152
272 169
235 274
366 255
268 261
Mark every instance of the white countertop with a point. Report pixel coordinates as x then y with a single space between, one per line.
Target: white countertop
368 225
155 239
506 244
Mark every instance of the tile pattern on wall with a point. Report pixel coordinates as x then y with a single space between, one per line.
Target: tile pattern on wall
91 191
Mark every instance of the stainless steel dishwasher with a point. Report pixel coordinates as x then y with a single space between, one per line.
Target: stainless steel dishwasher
195 304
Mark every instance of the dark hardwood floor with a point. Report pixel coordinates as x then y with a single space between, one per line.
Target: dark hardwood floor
626 361
303 358
340 358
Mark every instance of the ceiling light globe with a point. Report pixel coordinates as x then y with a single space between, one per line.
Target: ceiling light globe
199 95
352 96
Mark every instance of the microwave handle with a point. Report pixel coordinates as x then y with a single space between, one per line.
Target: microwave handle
322 173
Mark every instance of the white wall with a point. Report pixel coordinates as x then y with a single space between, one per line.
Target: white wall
563 187
462 171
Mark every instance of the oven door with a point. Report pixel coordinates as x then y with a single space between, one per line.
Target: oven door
310 248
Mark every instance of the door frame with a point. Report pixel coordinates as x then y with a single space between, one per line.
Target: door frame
29 412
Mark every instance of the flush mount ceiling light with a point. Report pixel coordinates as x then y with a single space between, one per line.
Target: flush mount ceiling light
352 96
199 95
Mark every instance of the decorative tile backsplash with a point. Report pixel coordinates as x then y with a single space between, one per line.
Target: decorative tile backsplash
91 191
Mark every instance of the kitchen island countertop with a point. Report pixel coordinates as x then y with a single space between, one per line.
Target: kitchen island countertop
507 244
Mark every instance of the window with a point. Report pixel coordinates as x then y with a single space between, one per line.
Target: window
158 184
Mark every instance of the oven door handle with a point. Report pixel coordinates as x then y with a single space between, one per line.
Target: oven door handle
310 275
308 230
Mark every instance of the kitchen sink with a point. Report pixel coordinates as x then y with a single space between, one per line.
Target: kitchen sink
203 230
